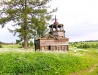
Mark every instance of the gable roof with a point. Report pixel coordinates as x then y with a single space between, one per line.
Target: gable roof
48 36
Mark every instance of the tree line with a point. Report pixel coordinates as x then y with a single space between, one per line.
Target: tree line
85 44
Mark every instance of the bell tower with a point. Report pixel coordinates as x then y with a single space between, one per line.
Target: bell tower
55 40
57 29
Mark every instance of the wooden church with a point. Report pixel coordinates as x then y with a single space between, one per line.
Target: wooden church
55 40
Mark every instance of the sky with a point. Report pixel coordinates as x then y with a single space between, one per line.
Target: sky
80 19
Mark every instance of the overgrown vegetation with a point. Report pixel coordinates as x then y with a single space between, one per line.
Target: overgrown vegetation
16 61
42 63
0 44
16 45
85 44
30 44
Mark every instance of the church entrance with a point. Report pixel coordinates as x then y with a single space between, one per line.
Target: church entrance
49 47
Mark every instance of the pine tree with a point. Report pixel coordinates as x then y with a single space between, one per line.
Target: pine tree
30 16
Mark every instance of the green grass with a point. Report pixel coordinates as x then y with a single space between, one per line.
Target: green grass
17 61
91 54
38 63
11 46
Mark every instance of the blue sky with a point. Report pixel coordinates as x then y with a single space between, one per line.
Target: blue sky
80 19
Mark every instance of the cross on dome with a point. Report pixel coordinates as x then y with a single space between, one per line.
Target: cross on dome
56 23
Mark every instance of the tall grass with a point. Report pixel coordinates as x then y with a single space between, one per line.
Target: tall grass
38 63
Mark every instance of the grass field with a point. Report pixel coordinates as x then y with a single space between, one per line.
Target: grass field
93 55
16 61
11 46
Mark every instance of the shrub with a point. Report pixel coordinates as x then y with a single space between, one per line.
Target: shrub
31 44
0 46
85 45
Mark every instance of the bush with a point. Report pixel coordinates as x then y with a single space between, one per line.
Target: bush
0 46
31 44
85 45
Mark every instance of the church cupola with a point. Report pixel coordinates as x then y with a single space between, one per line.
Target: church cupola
55 40
56 29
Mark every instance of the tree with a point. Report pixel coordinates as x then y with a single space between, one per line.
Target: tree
30 16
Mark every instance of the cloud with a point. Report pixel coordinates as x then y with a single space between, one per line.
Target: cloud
80 19
83 32
5 36
92 36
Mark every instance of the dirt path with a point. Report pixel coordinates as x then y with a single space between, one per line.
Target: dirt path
93 68
86 71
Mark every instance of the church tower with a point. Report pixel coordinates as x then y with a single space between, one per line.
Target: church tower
55 40
57 29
